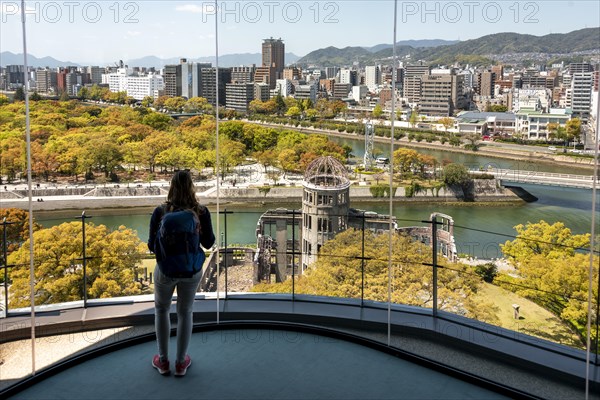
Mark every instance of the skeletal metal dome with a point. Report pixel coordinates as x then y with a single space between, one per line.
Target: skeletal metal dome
326 172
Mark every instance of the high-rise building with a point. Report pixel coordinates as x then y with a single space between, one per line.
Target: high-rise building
326 85
238 96
261 92
331 72
191 78
575 68
579 97
486 81
184 79
372 76
273 55
95 73
273 62
15 75
348 76
441 94
498 70
341 91
283 87
208 88
306 92
172 77
242 74
46 80
265 75
412 81
292 74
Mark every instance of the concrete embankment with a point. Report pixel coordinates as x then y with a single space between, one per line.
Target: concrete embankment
483 191
525 155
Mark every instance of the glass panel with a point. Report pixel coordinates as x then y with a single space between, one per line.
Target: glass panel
412 271
101 142
533 281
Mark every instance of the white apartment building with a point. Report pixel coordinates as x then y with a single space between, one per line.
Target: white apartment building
537 99
533 124
137 87
579 98
283 87
359 93
347 75
372 76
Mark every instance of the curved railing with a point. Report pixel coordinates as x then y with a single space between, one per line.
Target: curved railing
423 271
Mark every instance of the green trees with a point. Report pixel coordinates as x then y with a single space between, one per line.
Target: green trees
473 141
457 176
414 118
113 258
71 140
293 112
339 273
197 105
553 270
19 94
573 128
405 160
377 111
446 122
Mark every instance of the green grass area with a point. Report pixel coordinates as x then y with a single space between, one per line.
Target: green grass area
533 319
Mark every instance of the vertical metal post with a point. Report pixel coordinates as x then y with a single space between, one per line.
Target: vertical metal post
5 263
225 246
362 263
434 262
293 253
222 252
597 311
83 253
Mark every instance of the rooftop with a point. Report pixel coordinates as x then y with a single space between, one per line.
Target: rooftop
289 347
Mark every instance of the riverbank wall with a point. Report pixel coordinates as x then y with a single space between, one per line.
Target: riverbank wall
488 149
483 191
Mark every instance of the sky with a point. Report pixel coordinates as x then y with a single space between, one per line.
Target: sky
103 32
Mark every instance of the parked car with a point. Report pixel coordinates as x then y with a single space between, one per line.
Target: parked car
552 148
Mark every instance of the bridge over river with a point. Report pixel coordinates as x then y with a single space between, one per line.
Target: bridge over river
510 176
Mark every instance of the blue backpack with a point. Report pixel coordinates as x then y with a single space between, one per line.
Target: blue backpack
178 244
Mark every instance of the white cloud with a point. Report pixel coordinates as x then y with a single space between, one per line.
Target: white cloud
194 8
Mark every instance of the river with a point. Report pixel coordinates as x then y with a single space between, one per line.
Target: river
479 229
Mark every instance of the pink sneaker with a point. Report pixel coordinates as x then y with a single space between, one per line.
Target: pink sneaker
161 366
181 368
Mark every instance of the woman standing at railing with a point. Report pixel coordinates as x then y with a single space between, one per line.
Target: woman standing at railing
177 230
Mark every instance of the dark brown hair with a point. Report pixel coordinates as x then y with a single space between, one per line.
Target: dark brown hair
182 193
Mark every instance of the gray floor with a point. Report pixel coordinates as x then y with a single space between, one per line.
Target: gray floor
256 364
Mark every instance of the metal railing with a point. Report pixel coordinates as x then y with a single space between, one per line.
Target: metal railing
441 284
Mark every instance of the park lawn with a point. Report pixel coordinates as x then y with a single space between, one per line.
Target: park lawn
533 319
149 263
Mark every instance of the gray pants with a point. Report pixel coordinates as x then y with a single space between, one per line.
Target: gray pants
163 295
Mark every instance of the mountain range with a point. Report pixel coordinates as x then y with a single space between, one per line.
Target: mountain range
480 50
435 51
227 60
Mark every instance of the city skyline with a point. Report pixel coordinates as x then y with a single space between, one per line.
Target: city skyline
128 30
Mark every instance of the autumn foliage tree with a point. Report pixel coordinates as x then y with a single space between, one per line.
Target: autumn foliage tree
112 260
17 227
338 272
553 269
